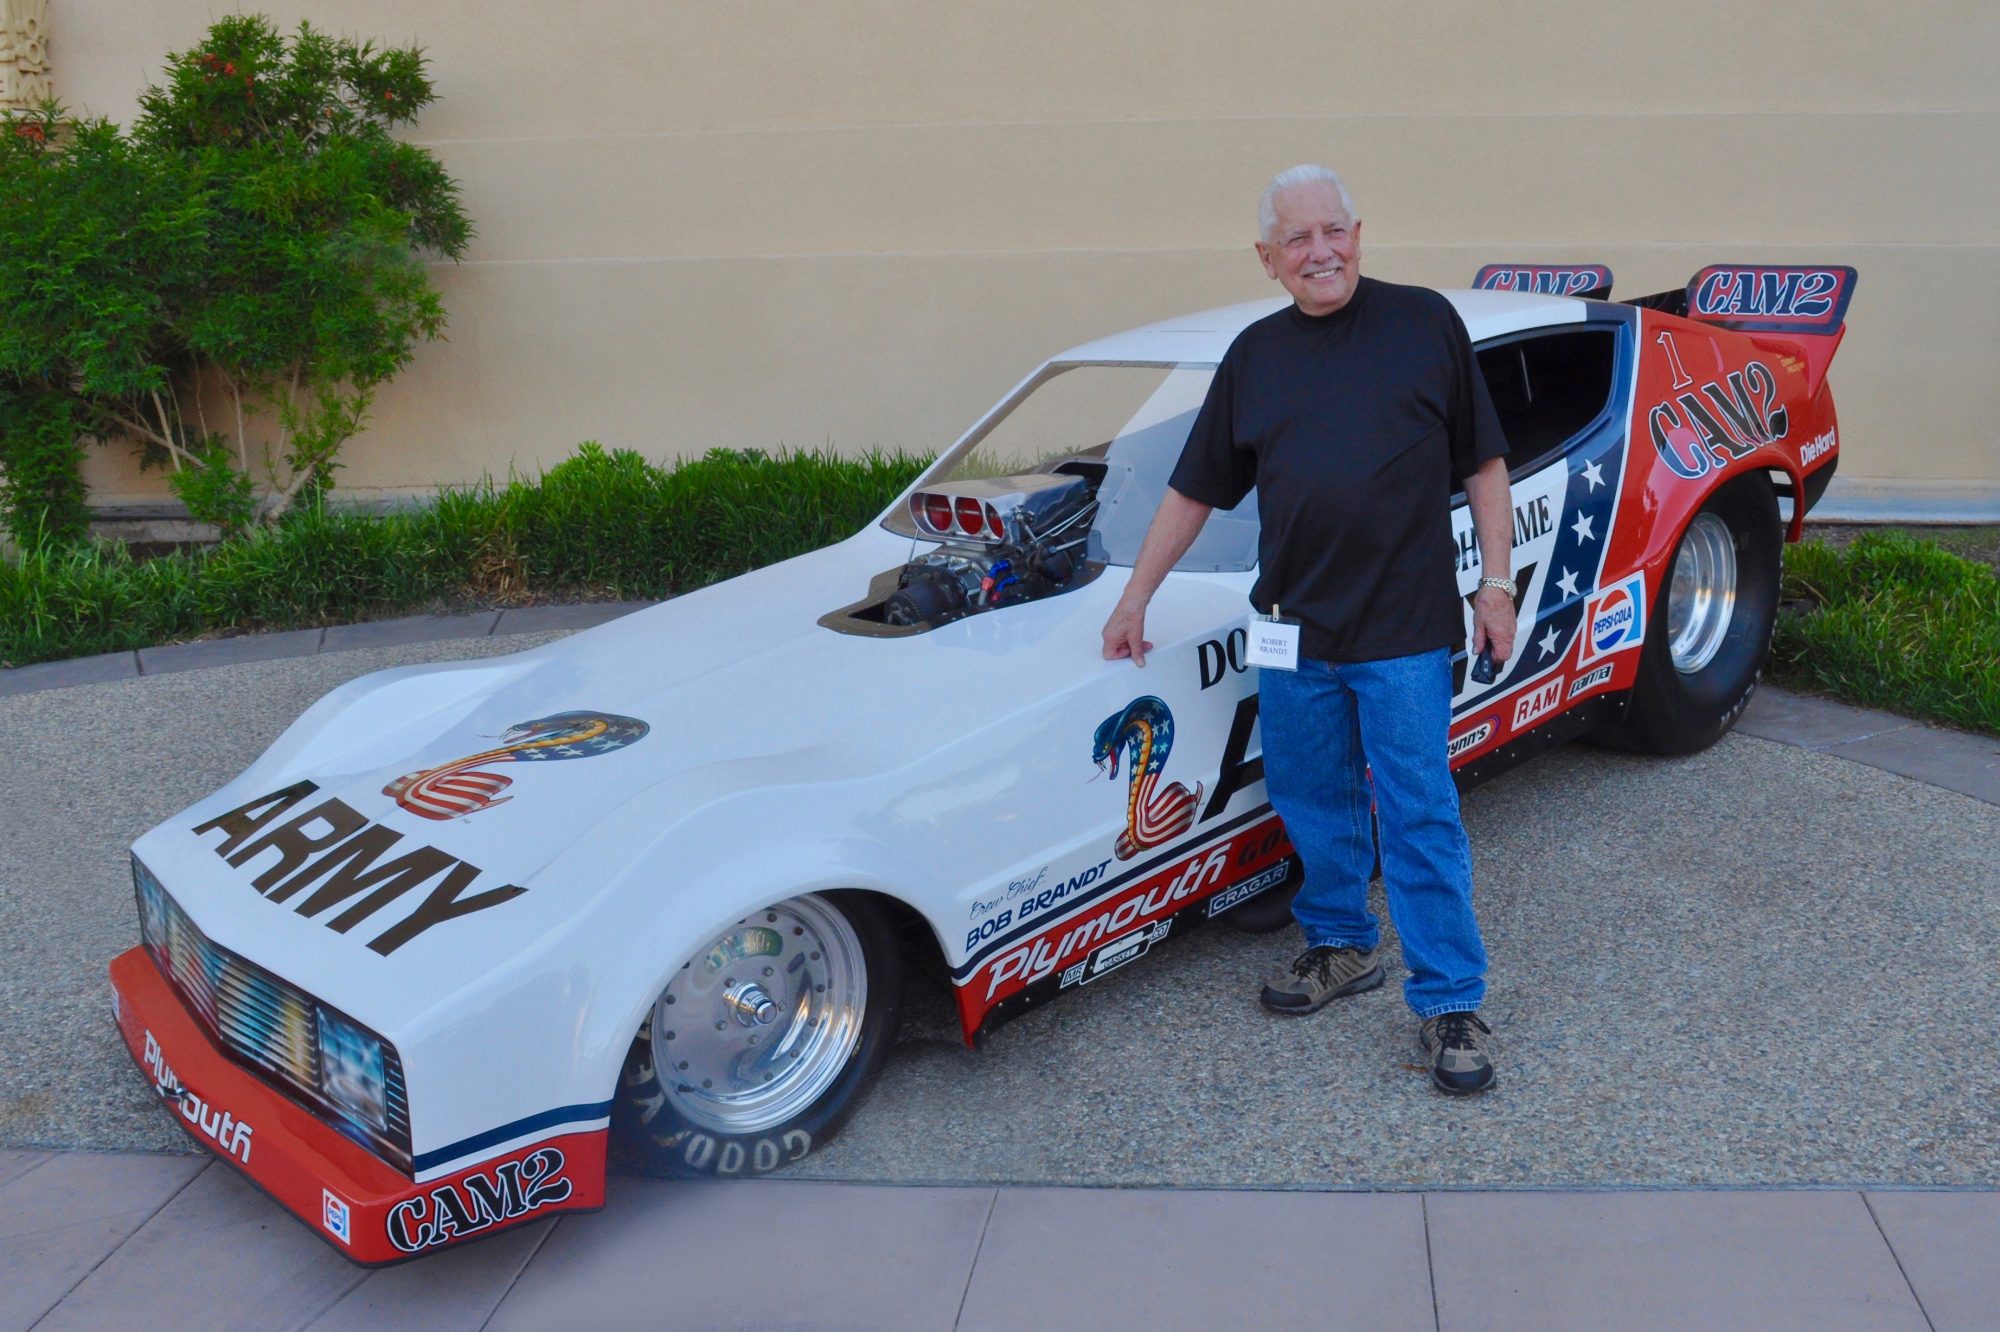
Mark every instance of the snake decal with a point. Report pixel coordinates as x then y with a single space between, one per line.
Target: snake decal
462 787
1153 813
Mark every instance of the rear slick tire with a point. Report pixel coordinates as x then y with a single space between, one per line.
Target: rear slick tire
1710 633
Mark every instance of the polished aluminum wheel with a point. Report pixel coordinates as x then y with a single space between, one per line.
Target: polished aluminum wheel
756 1027
1701 599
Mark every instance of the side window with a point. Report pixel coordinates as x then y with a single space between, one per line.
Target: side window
1547 387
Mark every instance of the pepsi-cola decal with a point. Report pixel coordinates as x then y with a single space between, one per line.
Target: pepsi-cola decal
1615 620
1772 298
1546 279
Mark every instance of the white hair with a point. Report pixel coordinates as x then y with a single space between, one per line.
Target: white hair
1304 174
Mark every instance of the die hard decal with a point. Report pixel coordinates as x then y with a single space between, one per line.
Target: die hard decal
1153 813
462 787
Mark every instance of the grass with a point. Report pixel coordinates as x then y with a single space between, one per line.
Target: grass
1895 622
597 525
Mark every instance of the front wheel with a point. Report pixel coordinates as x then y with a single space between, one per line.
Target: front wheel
760 1045
1710 634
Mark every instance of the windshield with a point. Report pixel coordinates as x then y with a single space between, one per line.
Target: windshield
1120 425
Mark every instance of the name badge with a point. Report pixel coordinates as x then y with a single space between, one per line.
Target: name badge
1274 641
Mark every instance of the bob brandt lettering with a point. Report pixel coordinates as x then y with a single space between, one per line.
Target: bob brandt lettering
1038 958
334 846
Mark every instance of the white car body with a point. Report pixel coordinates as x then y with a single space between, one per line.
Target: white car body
949 770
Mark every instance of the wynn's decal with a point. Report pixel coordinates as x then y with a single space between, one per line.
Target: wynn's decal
1547 279
333 841
1772 298
1153 813
1468 740
461 787
453 1211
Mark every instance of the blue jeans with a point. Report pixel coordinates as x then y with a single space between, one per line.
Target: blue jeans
1326 726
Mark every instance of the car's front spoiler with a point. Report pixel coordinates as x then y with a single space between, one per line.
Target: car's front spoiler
367 1210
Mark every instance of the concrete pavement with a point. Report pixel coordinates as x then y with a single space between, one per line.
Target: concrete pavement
100 1241
1799 932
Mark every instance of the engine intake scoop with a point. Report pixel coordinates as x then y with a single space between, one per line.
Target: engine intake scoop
1010 510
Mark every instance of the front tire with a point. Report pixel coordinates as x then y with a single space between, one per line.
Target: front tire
759 1047
1710 635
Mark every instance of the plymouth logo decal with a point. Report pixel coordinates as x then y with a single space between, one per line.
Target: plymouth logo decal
463 787
1153 813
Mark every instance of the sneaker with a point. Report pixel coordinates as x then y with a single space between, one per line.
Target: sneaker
1320 975
1459 1047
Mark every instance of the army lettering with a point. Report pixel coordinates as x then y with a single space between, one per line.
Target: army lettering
334 846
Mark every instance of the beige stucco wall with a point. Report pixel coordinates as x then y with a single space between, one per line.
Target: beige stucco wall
768 223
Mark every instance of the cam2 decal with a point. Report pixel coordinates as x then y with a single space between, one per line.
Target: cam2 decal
1548 279
479 1200
1696 431
1153 813
462 787
1772 298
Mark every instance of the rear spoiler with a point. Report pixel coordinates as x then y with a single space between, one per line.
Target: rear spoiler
1807 303
1592 280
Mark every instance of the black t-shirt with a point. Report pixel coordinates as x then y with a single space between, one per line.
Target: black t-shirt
1354 427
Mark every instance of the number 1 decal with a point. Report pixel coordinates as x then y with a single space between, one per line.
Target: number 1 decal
1681 377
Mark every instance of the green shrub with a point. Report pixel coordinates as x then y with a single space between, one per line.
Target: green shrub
598 524
1897 623
251 254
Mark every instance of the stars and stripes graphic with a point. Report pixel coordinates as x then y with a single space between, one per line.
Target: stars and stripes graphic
463 786
1154 813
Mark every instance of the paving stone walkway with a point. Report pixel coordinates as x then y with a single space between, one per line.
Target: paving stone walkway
90 1241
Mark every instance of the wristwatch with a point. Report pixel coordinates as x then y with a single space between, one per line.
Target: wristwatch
1504 584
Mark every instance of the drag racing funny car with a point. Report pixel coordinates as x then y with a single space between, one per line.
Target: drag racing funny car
461 924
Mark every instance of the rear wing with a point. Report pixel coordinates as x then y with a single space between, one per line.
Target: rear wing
1593 280
1805 302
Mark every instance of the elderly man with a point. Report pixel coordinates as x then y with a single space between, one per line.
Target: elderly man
1352 412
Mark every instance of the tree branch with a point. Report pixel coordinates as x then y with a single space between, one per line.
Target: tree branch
242 440
145 431
174 451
